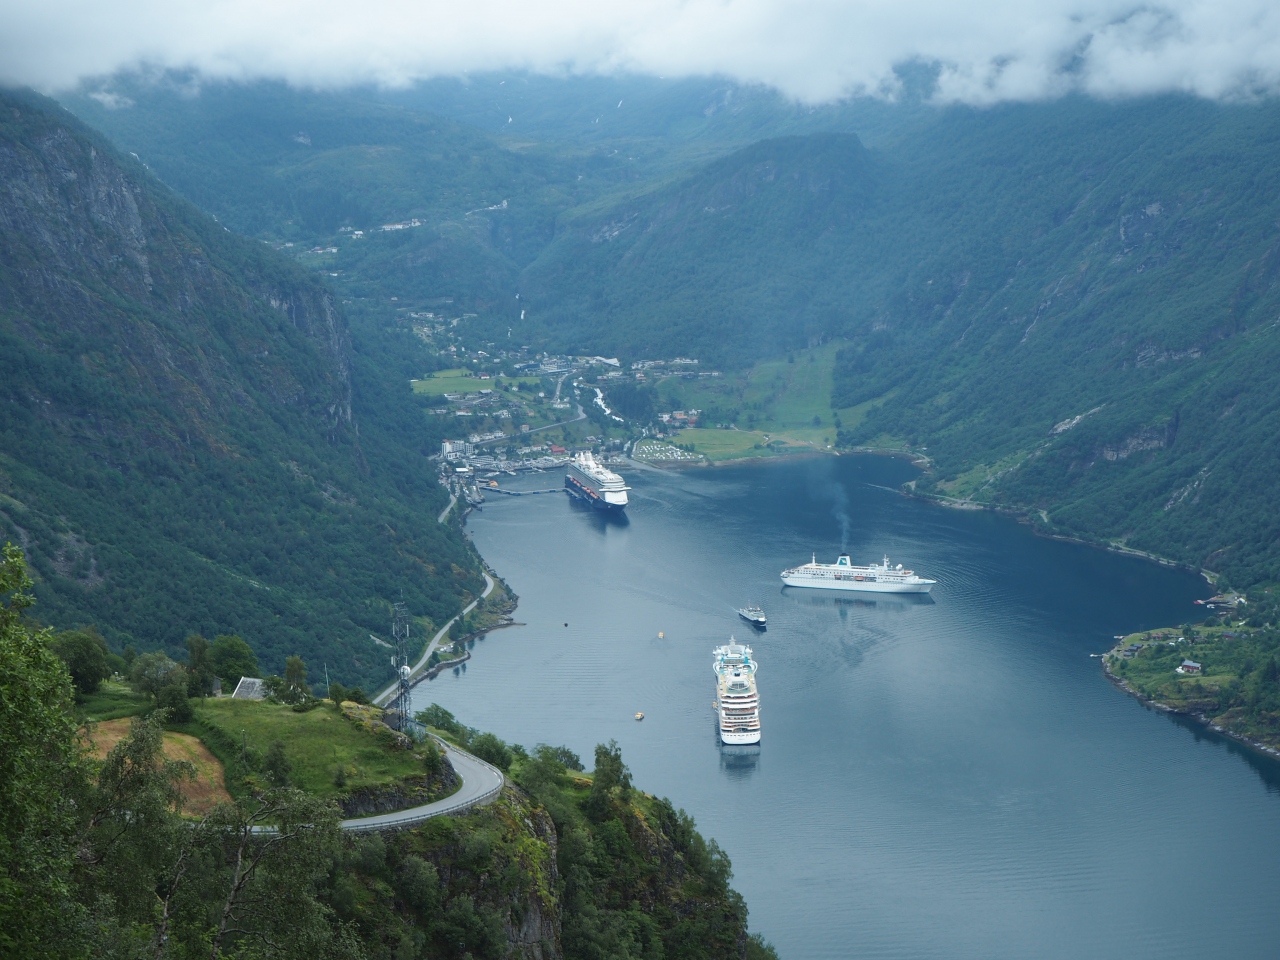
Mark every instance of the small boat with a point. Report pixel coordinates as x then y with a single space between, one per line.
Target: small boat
753 615
639 716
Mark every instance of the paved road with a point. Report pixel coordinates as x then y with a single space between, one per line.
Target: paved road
481 784
382 698
550 426
453 498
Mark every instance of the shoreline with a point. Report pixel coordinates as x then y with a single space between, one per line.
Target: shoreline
1126 687
1027 515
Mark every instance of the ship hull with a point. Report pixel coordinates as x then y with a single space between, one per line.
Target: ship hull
861 586
581 491
735 738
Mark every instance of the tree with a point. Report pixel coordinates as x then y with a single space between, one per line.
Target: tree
174 697
295 678
200 666
270 853
41 777
152 672
85 654
276 765
232 659
492 750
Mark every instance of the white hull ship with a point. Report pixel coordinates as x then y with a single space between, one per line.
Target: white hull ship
737 703
843 575
594 483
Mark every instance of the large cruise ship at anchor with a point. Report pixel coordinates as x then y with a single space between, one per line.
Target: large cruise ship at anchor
595 483
843 575
737 703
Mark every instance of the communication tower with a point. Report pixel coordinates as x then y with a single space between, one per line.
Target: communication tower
400 637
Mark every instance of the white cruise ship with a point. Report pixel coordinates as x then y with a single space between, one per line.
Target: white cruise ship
737 703
843 575
595 483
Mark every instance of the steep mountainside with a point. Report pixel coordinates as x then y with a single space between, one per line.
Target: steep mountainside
179 439
996 275
297 166
738 261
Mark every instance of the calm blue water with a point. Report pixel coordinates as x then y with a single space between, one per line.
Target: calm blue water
951 778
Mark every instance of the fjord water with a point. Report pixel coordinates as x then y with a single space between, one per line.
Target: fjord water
950 777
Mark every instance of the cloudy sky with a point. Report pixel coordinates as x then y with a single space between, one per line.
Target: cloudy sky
812 50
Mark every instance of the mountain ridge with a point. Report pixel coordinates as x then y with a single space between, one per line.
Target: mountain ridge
181 450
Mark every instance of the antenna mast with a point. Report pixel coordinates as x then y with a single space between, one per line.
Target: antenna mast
400 637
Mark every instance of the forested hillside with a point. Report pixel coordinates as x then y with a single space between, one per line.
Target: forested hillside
993 274
188 442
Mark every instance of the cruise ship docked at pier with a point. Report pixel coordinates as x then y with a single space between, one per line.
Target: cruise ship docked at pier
595 483
843 575
737 703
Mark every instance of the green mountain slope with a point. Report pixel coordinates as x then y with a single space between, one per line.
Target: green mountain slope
999 273
996 272
296 166
183 439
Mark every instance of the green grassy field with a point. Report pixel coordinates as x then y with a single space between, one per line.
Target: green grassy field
717 445
111 702
317 743
464 381
787 399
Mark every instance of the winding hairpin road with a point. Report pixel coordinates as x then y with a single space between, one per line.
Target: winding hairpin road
481 784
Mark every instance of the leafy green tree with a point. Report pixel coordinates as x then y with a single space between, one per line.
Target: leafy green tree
260 898
337 692
41 778
432 759
85 654
232 659
492 750
357 695
175 697
130 831
295 678
152 672
438 717
276 765
200 666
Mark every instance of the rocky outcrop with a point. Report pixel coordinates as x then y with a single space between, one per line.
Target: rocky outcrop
401 795
100 262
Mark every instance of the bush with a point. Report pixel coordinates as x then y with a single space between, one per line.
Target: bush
173 698
86 656
276 765
492 750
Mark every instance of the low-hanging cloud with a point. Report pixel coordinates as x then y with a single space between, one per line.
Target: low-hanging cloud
811 50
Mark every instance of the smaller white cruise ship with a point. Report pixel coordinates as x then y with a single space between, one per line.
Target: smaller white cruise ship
737 703
843 575
589 480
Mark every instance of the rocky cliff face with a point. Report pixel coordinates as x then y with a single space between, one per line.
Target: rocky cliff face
178 448
98 264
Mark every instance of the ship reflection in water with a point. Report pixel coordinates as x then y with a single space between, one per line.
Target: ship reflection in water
739 762
842 604
600 520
